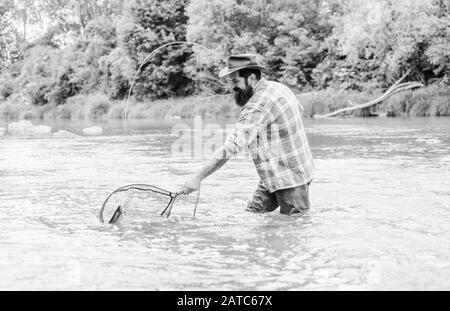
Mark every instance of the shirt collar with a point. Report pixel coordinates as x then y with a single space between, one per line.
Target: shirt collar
260 84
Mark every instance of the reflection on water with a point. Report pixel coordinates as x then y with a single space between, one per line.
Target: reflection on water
379 217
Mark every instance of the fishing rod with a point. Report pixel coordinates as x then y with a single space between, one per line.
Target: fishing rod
145 187
150 55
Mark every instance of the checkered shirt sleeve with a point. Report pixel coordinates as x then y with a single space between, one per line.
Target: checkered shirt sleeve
271 126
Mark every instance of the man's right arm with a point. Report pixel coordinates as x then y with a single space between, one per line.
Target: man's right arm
250 120
220 157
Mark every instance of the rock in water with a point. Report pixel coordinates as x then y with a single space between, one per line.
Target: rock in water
42 130
93 131
64 134
21 128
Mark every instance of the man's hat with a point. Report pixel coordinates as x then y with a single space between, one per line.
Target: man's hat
238 62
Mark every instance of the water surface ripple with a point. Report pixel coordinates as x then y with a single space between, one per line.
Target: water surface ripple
379 220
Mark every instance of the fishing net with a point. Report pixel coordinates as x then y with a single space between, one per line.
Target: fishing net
138 201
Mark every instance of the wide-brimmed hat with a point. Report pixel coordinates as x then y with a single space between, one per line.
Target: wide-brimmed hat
238 62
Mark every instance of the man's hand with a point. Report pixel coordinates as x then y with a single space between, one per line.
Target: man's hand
191 185
219 158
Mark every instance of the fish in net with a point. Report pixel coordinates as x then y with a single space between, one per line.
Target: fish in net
138 200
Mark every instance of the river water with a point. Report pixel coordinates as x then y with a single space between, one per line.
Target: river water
380 214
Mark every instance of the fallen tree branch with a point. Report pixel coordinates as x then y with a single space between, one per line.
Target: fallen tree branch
399 80
397 87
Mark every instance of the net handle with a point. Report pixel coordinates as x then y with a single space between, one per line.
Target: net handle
196 202
172 201
173 196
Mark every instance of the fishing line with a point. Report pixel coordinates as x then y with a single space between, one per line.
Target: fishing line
145 61
172 196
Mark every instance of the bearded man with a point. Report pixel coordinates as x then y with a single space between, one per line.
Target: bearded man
270 125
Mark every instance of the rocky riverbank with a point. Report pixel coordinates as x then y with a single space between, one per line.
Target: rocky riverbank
26 129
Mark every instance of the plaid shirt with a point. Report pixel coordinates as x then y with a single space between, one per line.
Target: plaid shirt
271 126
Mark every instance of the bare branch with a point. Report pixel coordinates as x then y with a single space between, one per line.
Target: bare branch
392 90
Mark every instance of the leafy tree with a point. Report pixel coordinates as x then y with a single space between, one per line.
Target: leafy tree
153 24
88 10
95 46
289 34
377 41
117 71
9 37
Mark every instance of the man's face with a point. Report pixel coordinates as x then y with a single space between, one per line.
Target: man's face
242 90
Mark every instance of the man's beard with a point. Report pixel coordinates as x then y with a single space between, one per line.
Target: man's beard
241 97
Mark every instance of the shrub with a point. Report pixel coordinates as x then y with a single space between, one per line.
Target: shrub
36 92
440 106
73 108
31 114
419 106
11 110
428 101
47 111
118 70
217 107
117 110
329 100
97 105
6 87
156 23
36 75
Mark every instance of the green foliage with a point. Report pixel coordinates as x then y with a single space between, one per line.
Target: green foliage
9 47
82 63
439 106
117 110
157 23
429 101
73 109
375 42
13 108
92 106
48 75
35 76
188 107
289 34
117 71
6 86
97 105
329 100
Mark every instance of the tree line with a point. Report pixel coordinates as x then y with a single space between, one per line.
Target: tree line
53 50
